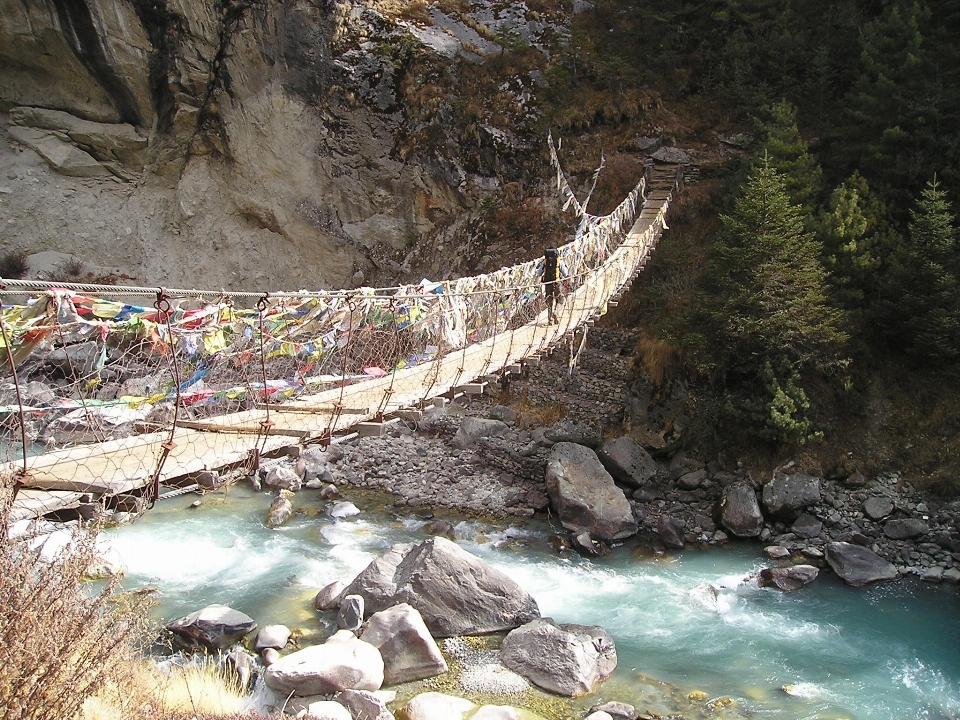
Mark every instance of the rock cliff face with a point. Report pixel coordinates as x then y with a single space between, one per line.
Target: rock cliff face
260 144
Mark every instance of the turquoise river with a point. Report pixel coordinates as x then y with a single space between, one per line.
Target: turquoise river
687 622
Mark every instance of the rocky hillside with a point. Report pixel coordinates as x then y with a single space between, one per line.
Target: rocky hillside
266 145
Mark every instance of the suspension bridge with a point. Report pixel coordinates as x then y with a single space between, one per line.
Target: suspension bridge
105 395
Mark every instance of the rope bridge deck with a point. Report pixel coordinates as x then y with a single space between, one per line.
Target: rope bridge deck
160 394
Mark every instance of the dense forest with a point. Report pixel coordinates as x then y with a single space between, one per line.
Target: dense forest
832 257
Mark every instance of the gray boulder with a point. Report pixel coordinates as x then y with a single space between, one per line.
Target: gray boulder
585 496
670 530
474 428
284 478
364 705
455 592
437 706
341 663
905 529
329 597
877 507
574 431
272 636
739 511
215 626
617 710
568 659
328 710
788 578
409 651
502 413
280 509
806 526
627 461
857 565
787 495
692 480
350 615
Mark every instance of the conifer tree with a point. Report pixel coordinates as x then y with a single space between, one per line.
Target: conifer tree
787 153
921 309
768 307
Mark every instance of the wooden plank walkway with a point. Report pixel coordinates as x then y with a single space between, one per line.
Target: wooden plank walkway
128 464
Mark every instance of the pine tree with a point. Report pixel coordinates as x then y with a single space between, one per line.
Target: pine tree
921 311
788 155
769 308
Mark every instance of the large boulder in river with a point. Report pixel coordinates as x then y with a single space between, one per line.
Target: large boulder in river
455 592
739 511
857 565
627 461
567 659
280 509
585 496
341 663
409 651
787 495
215 626
787 579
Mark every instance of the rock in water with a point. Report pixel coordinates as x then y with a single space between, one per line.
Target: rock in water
788 578
787 495
341 663
329 597
215 626
567 659
272 636
409 652
350 615
627 462
456 593
856 565
739 511
280 509
364 705
670 530
437 706
585 496
284 478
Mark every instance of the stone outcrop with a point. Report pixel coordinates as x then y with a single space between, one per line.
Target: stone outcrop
858 566
788 578
584 495
739 511
787 494
215 626
409 651
455 592
627 462
567 659
341 663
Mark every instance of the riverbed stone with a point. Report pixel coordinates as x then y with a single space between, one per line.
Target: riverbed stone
670 530
284 478
569 430
409 651
627 462
905 529
806 526
437 706
350 613
739 511
788 579
567 660
473 428
343 662
616 710
584 495
363 704
329 596
856 565
455 592
328 710
280 509
877 507
776 552
343 509
787 494
215 626
272 636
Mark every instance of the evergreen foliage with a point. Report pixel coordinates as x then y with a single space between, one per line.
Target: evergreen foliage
920 311
787 154
767 306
